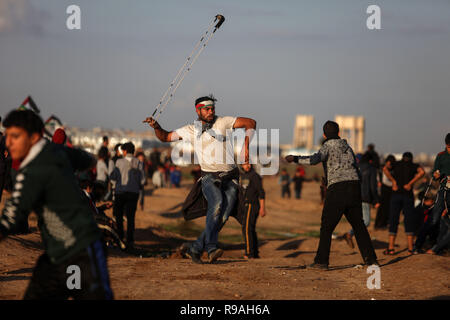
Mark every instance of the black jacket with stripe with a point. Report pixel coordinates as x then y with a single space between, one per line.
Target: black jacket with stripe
45 183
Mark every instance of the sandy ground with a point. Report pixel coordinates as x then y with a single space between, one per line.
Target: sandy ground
288 240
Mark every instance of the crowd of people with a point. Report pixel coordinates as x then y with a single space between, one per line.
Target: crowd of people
388 187
69 190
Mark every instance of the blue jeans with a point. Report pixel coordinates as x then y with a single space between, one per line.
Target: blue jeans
405 203
366 215
433 219
221 201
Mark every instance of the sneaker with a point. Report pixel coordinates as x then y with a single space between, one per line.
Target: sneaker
318 266
196 257
183 249
348 238
214 255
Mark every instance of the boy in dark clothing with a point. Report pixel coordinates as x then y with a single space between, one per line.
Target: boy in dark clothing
129 177
45 183
251 205
343 195
285 182
404 174
298 181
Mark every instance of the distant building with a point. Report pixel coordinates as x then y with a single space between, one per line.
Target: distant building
352 128
303 132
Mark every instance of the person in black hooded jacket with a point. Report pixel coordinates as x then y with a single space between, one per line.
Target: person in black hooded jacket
369 192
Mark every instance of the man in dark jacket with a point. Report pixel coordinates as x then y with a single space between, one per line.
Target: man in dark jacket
3 163
129 177
251 205
45 184
343 195
369 192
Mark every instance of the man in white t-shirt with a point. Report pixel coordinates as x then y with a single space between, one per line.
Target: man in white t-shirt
210 136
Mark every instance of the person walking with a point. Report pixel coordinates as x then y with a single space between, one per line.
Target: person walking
129 178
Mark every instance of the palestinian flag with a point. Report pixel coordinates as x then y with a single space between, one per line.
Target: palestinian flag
28 104
52 124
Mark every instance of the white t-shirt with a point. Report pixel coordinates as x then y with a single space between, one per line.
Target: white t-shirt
213 148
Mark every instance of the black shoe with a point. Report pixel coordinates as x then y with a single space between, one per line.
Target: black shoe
318 266
196 257
184 248
214 255
372 263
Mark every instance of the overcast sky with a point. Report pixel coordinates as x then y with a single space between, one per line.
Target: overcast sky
270 61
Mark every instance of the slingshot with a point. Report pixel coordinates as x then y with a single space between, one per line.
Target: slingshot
187 66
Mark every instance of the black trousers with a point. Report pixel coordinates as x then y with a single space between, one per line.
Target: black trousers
126 203
249 216
344 198
381 221
285 190
50 281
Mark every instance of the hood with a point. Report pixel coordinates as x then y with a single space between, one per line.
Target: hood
134 162
339 144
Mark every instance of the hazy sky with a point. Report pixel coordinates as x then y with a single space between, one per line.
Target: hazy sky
270 61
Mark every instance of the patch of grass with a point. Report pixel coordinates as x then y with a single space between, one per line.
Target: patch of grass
311 234
184 228
278 234
233 238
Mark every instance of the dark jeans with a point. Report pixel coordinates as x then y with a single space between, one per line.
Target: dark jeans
249 217
298 192
434 218
344 198
49 281
405 203
443 240
221 200
126 203
285 190
141 197
381 221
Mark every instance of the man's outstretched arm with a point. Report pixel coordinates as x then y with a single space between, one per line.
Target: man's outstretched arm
316 158
163 135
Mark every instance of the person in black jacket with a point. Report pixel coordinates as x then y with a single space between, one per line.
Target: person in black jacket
369 192
46 185
251 205
404 174
3 163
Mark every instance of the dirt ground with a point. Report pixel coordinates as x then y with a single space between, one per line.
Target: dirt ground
288 240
